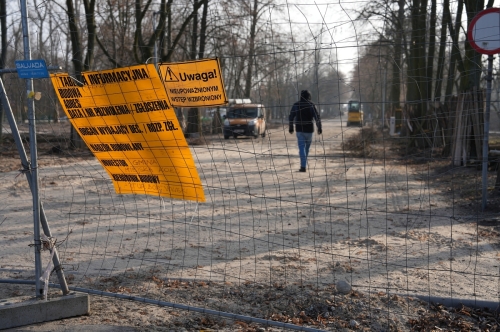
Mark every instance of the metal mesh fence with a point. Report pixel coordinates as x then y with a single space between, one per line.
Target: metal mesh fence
377 223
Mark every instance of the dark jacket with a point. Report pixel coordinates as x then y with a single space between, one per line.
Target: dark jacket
302 114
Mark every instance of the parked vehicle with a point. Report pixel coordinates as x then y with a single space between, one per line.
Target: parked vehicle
354 113
245 120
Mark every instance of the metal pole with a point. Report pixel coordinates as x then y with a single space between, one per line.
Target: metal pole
486 131
34 156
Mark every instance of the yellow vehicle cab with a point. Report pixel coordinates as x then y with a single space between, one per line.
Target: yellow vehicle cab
245 120
354 113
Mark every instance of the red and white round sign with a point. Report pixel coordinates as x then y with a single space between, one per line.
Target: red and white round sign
484 31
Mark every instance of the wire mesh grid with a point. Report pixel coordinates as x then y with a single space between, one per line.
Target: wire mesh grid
377 223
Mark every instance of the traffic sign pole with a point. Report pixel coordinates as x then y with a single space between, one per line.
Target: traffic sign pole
484 37
486 133
34 158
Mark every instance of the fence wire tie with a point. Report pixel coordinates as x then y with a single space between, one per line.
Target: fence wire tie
48 243
26 169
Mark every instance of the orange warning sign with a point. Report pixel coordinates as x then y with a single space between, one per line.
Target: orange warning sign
126 119
194 83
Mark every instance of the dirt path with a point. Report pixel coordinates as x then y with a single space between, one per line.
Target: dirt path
270 242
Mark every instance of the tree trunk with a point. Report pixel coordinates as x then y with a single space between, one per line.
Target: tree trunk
194 123
422 61
417 92
183 28
441 56
143 50
251 51
79 63
471 76
216 122
416 96
472 59
166 35
395 93
203 31
74 32
75 140
194 32
432 48
91 33
455 56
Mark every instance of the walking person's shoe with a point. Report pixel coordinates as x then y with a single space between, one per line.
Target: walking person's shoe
302 169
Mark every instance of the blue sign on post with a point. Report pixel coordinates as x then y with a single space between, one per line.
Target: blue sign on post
32 69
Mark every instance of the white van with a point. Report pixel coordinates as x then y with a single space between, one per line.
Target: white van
245 120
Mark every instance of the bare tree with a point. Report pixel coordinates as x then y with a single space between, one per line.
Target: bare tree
203 31
472 59
369 77
244 42
81 63
194 114
441 55
416 94
143 50
397 60
116 34
144 47
431 50
455 56
394 36
254 15
46 49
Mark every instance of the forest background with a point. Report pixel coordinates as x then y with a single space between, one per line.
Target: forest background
388 54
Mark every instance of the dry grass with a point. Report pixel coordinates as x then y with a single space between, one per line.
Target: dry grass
365 143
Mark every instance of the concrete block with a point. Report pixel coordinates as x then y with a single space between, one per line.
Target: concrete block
21 311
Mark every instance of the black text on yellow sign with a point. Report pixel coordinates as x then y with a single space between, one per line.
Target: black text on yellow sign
126 119
194 83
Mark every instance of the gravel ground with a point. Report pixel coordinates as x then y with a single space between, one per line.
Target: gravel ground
331 307
302 305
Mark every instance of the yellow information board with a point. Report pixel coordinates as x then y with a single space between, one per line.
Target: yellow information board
194 83
126 119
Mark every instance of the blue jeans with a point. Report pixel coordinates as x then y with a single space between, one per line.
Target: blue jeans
304 140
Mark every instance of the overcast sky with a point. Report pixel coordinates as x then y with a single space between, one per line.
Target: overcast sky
342 32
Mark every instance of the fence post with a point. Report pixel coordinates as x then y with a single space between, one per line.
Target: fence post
34 157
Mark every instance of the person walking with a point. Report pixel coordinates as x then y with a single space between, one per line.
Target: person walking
302 115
